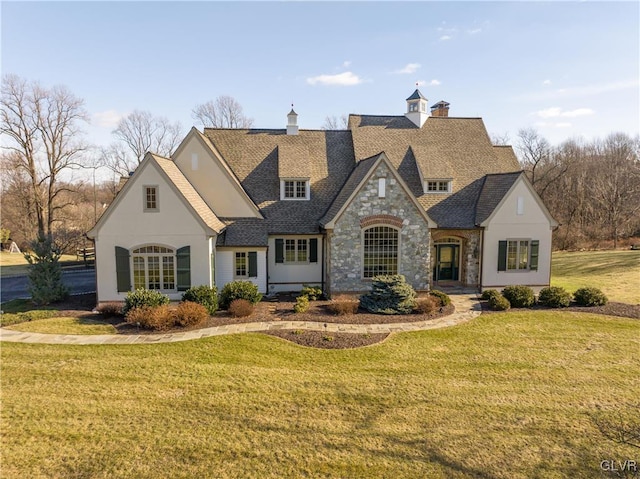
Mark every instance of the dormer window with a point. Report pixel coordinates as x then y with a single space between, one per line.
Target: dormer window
438 186
294 189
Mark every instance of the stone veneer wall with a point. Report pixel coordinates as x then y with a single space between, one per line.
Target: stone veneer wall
469 251
345 241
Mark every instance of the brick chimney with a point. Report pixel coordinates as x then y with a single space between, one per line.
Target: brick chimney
440 109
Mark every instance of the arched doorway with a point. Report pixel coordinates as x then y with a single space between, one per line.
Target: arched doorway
446 264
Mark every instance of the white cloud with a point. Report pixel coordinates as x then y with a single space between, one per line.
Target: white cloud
434 82
107 119
346 63
546 124
444 38
555 112
409 68
341 79
546 82
474 31
578 91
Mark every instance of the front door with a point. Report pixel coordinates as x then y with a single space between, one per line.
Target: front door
447 260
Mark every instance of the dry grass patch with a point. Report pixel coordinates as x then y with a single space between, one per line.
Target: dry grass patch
505 396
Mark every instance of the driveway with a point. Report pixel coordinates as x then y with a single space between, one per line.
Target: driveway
78 281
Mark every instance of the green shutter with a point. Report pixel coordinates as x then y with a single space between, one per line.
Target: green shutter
253 264
279 250
123 271
502 255
535 246
183 259
313 250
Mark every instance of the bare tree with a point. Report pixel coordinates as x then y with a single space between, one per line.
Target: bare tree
335 123
500 139
136 134
223 112
44 141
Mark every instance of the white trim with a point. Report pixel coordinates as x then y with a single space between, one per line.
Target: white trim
382 190
307 189
145 200
438 181
398 248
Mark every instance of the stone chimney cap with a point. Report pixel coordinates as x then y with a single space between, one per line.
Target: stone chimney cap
440 104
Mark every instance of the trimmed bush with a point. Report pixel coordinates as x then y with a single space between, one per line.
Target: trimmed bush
239 290
110 309
499 303
390 294
489 293
302 304
343 305
590 297
189 313
144 297
519 296
239 308
427 305
443 298
554 297
158 318
7 319
203 295
311 292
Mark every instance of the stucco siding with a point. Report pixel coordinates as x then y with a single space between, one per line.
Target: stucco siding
507 224
128 226
292 276
225 268
207 176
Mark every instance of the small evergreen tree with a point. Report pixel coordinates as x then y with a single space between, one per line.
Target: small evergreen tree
45 275
389 294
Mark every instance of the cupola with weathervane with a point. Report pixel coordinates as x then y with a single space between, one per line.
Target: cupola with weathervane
292 122
417 108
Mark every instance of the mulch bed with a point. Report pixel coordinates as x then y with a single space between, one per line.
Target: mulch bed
282 310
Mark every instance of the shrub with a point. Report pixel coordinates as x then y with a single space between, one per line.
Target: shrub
443 298
144 297
189 313
239 290
426 305
343 306
488 293
519 296
590 297
302 304
390 294
499 303
205 295
7 319
239 308
45 272
311 292
158 318
110 309
554 297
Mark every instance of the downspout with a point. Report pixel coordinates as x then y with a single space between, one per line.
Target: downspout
481 252
267 268
324 237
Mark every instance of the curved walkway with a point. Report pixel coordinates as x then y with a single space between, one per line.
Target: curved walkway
467 308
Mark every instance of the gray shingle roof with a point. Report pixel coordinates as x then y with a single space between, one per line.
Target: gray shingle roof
254 157
416 95
494 187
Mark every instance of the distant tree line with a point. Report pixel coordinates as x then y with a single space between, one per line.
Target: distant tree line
591 188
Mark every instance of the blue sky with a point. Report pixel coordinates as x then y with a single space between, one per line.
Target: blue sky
568 69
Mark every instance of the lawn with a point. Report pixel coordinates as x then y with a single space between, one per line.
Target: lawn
15 264
505 396
617 273
66 325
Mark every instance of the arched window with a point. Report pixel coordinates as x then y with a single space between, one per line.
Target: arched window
154 267
380 251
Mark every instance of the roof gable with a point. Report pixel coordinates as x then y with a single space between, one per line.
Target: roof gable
356 182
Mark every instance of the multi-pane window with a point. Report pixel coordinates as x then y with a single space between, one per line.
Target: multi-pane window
438 186
517 254
241 264
154 268
151 198
296 251
380 251
295 189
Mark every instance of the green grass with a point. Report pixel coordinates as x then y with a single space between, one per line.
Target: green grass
15 264
616 273
66 325
504 396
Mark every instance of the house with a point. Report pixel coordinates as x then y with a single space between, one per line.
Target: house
422 194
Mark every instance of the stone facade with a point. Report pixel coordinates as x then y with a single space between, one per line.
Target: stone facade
396 209
469 253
